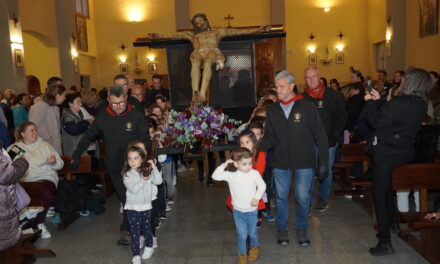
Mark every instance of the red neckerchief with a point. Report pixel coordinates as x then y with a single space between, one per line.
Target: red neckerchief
111 112
297 97
317 93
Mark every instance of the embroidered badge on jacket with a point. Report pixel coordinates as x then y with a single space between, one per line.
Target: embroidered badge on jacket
297 117
129 127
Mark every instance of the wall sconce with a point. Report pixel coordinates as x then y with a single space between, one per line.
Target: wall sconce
74 52
123 57
340 47
311 49
326 9
151 57
135 15
388 35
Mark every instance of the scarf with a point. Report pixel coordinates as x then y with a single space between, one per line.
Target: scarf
317 93
295 98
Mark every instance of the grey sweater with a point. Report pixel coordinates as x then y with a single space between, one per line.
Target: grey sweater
140 191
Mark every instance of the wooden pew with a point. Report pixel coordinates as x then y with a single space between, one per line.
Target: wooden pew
69 174
355 153
24 251
420 177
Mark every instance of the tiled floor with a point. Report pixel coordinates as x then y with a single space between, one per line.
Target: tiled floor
200 230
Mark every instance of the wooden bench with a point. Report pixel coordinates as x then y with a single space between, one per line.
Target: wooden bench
357 188
420 177
24 251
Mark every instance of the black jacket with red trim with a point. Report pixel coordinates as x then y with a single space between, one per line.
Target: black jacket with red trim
293 140
332 111
117 131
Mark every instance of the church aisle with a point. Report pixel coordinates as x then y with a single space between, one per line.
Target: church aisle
200 229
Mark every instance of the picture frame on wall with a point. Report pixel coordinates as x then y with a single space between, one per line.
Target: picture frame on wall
81 33
76 65
428 17
313 59
339 58
152 67
123 68
18 54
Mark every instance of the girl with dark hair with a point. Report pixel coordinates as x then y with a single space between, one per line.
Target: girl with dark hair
139 176
395 124
46 115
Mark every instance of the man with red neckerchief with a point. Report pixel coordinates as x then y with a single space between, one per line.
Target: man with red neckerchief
119 123
293 129
334 117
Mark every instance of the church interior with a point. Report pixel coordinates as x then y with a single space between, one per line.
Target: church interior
88 42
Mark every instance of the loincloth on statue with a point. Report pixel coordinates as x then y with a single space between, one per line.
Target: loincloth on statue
208 53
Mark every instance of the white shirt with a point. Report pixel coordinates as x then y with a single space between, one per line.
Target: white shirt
243 187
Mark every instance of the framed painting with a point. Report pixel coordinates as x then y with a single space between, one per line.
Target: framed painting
313 58
152 67
123 68
339 58
81 33
428 17
18 54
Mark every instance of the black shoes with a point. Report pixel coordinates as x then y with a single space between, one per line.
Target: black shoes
283 237
302 237
382 249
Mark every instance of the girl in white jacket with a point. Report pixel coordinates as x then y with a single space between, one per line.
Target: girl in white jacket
139 176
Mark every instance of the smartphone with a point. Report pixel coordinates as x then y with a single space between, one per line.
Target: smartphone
369 86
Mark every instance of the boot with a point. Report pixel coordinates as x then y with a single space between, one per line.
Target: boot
254 253
242 259
382 249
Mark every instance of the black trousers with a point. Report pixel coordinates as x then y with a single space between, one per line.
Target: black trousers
121 193
383 195
211 168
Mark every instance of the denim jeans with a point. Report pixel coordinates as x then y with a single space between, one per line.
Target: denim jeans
303 184
246 225
326 185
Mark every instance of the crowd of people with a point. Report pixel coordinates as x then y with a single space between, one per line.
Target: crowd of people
290 133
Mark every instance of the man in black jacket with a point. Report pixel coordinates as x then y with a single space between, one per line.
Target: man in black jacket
119 124
334 117
293 129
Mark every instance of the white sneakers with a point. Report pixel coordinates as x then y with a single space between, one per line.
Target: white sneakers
44 232
136 260
148 252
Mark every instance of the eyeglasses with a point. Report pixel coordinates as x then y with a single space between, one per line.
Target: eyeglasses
311 77
117 103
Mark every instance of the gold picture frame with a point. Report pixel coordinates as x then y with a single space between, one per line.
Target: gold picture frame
313 59
152 67
339 58
123 68
18 54
81 32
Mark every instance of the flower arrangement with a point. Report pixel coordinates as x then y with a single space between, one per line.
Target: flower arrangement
197 124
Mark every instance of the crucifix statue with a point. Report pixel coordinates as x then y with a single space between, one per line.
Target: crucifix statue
205 51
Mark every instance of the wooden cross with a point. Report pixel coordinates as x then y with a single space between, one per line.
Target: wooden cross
229 18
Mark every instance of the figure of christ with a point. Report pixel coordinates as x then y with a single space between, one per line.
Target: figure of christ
205 51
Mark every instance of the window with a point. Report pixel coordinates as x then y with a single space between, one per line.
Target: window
81 7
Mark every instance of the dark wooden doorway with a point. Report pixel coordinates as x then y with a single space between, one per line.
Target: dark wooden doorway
268 61
33 85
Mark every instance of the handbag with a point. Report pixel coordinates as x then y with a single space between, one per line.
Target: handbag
23 198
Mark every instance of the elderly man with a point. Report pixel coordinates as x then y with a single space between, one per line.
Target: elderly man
124 82
334 117
119 124
138 93
293 129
